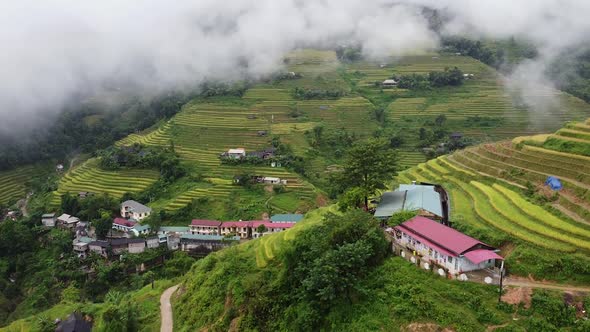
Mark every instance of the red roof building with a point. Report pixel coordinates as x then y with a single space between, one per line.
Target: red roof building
124 222
444 246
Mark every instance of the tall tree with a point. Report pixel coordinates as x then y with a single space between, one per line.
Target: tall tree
369 165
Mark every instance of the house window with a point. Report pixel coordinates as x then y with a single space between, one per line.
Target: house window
450 259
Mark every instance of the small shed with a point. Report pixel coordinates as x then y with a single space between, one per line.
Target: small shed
389 83
553 183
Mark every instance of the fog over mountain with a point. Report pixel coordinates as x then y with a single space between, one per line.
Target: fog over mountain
54 50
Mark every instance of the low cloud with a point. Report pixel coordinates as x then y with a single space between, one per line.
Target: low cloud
56 50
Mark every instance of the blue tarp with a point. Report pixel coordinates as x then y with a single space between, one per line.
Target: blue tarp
554 183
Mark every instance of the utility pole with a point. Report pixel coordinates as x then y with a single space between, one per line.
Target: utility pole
501 281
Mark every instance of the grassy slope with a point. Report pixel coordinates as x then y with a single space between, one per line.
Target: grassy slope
13 182
217 286
486 185
147 299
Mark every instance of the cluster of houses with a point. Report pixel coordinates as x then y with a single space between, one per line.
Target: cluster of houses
429 241
200 237
240 153
263 180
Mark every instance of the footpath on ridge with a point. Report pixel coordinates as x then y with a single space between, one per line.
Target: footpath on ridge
166 310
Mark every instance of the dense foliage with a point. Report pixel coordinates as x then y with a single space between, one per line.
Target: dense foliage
436 79
369 165
305 94
163 158
87 128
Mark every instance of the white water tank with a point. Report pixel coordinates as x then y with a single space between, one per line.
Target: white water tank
441 272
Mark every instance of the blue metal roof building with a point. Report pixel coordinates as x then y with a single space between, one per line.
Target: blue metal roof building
409 197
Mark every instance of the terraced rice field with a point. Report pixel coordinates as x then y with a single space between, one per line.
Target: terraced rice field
88 177
12 183
498 206
482 108
486 185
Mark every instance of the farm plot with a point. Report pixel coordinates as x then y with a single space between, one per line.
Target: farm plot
13 183
90 178
485 207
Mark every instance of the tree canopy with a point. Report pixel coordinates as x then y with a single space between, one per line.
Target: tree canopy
369 165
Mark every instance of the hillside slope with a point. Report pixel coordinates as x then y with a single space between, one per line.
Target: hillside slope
498 194
319 130
248 288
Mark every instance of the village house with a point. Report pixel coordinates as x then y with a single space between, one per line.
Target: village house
170 235
81 246
48 219
238 153
389 83
133 210
242 229
130 227
263 154
429 200
272 180
271 227
123 225
76 322
203 244
249 229
99 247
431 244
205 227
286 218
152 242
135 246
67 221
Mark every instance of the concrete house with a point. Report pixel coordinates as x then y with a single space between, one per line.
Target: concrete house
271 227
134 210
81 246
204 244
238 153
284 218
136 246
48 219
152 242
429 200
205 227
243 229
123 225
389 83
99 247
67 221
434 245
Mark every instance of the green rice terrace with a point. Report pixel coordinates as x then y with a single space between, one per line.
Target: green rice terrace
498 192
480 109
13 183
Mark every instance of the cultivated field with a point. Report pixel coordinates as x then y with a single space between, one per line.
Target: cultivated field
204 128
487 185
89 177
12 183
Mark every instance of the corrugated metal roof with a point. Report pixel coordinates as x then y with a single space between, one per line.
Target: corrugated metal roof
440 235
409 197
286 217
137 207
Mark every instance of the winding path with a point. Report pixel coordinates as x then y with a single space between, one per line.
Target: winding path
166 310
536 284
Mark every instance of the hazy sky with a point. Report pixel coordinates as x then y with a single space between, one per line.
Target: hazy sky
53 49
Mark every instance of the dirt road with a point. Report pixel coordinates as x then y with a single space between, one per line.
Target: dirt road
537 284
166 310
